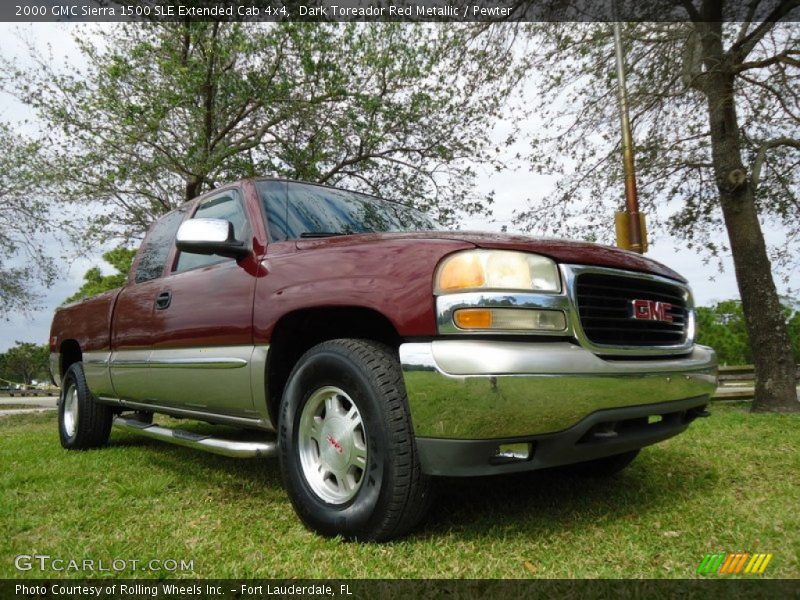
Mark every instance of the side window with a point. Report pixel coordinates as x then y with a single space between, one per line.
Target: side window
156 246
227 206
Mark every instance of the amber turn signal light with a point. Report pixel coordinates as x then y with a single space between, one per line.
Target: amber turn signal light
473 318
510 319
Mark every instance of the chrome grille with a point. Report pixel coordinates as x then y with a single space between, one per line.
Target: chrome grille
604 308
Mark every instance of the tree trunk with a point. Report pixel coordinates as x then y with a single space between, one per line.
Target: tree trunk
192 189
769 337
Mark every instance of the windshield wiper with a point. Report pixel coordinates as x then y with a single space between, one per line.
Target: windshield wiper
321 234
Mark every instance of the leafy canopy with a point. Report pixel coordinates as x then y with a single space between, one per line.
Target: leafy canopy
579 141
24 261
24 362
723 327
162 112
94 282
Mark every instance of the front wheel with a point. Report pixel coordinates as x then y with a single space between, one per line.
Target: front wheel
82 422
347 451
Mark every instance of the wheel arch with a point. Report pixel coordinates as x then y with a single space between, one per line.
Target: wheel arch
297 332
70 353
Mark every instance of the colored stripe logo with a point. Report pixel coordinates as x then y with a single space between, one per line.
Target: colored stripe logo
722 563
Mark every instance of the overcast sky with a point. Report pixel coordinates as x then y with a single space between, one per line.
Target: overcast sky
512 188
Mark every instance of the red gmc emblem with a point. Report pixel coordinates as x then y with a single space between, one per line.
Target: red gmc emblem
334 442
650 310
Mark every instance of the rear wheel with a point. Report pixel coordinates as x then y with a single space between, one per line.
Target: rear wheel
348 456
82 422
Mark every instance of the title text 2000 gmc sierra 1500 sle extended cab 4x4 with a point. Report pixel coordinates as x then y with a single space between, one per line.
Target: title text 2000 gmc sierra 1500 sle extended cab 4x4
379 352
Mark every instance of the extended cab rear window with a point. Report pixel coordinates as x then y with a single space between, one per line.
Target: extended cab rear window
296 210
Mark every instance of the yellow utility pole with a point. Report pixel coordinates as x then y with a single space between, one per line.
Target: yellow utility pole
630 228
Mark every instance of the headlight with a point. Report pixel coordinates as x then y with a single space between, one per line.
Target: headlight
473 270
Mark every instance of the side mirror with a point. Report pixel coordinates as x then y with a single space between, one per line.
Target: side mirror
210 236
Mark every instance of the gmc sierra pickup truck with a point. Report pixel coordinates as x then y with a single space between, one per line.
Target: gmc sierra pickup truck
371 352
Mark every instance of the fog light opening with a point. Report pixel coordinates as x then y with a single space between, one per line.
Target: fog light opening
513 452
605 431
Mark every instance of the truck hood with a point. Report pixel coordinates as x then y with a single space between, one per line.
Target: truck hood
562 251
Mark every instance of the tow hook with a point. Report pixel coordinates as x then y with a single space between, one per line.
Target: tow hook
700 411
605 431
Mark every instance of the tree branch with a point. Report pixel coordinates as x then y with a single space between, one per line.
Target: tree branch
778 95
783 57
758 162
742 47
748 20
690 8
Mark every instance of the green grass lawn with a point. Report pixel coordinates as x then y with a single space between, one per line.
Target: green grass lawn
730 483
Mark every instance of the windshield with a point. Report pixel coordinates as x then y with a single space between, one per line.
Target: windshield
317 211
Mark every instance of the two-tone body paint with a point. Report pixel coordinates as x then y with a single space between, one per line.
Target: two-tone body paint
129 347
143 350
87 323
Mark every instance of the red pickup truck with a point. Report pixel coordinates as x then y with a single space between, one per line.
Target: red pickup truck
371 351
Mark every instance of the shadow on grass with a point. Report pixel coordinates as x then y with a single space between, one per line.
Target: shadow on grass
214 469
537 502
549 500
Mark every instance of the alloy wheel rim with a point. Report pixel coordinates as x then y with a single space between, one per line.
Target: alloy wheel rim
333 445
71 410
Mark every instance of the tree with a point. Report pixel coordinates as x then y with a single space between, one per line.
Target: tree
94 282
23 213
793 324
165 111
25 362
716 109
723 327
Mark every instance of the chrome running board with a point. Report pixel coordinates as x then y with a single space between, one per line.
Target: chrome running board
207 443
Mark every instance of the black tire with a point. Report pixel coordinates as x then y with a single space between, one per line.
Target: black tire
394 494
92 426
602 467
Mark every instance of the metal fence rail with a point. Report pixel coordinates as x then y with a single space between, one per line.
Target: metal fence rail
738 382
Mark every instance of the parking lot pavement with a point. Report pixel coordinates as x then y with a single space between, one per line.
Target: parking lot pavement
29 401
25 411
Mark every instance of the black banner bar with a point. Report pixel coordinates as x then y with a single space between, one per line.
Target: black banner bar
231 589
395 10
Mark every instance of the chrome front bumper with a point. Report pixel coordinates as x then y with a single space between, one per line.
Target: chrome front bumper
489 389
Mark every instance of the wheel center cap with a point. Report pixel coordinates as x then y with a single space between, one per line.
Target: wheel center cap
336 444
